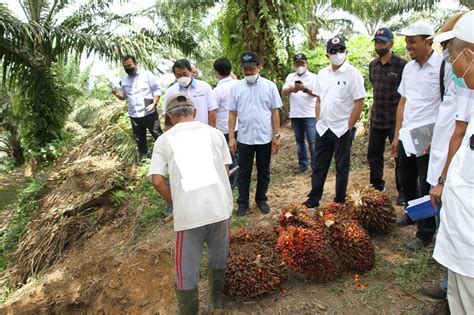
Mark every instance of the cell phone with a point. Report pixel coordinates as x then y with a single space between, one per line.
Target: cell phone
298 82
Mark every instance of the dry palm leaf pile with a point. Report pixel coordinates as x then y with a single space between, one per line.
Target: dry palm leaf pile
76 204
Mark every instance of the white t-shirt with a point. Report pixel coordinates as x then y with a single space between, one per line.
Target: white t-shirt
338 91
420 87
454 247
221 94
201 94
302 105
455 100
195 154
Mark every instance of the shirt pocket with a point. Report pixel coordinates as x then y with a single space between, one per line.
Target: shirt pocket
342 92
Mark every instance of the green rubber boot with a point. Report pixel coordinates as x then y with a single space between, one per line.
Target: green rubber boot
188 301
216 287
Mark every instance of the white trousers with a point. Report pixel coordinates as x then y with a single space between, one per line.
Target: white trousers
460 294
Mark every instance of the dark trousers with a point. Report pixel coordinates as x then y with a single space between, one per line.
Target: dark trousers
263 154
235 161
375 157
328 145
304 128
139 127
413 171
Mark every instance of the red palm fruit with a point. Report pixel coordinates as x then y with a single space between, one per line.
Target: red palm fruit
299 216
305 251
331 212
372 208
263 235
353 245
253 270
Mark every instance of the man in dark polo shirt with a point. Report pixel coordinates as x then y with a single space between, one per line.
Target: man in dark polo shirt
385 74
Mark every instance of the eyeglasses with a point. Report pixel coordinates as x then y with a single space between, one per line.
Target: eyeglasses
335 51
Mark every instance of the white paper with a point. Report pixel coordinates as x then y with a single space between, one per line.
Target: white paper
114 82
194 158
405 137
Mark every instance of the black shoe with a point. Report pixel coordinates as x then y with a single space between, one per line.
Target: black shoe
242 211
300 169
263 206
403 221
401 199
310 205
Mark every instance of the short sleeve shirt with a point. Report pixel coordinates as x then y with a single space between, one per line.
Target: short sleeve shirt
338 90
138 87
205 205
385 79
201 94
420 87
302 105
254 104
221 95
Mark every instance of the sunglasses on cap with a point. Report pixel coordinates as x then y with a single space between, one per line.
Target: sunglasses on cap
337 50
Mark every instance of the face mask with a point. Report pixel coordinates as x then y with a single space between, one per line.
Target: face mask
130 71
251 78
459 81
300 70
337 59
381 52
446 57
184 81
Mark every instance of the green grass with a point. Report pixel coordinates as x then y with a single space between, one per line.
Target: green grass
9 190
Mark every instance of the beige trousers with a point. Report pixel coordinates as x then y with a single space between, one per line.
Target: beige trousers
460 294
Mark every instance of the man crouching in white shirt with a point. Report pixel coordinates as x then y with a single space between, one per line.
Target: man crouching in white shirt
196 157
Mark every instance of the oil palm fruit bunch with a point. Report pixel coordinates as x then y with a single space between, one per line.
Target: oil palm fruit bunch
353 245
298 216
372 209
253 270
263 235
308 252
329 213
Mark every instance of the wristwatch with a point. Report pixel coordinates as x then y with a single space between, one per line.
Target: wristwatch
277 135
441 180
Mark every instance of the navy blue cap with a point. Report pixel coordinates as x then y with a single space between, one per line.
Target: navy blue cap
384 34
335 41
249 58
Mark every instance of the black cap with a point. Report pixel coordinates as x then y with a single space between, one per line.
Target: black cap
335 41
249 58
299 57
384 34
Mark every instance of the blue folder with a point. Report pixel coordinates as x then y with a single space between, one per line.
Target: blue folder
422 208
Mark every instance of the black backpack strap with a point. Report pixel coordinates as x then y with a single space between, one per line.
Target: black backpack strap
441 80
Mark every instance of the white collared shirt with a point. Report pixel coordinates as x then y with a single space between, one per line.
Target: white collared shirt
254 104
302 105
221 94
420 87
138 87
201 94
338 91
208 202
455 98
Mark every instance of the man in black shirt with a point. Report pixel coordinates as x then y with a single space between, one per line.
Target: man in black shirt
385 73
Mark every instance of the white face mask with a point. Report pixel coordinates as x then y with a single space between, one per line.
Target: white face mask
338 59
300 70
251 78
184 81
446 57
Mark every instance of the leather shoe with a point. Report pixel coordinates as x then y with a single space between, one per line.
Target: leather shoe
403 221
263 206
416 244
308 204
299 169
242 211
401 199
433 290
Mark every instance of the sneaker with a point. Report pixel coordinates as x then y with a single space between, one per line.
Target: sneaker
242 211
401 199
310 205
403 221
300 169
416 244
433 290
263 206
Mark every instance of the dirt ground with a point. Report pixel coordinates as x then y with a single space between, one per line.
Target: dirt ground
121 270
